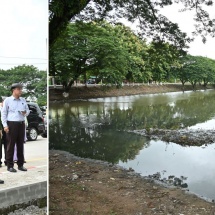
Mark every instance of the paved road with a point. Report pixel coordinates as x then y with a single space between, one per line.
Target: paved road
36 153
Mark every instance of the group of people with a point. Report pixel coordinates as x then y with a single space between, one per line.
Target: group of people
13 111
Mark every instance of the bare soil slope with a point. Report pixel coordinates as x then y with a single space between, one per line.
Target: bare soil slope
85 186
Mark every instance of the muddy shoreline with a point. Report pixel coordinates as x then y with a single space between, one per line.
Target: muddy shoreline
90 92
86 186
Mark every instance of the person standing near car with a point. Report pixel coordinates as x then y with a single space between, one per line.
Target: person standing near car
1 135
1 128
13 114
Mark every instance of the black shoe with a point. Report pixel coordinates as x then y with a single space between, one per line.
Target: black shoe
0 165
1 182
22 168
11 169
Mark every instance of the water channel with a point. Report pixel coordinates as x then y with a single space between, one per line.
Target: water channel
97 128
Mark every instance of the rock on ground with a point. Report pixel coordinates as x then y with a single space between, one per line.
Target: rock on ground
31 210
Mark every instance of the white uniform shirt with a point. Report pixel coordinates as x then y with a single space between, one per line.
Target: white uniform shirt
11 110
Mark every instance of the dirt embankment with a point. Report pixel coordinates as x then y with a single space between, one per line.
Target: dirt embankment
92 91
88 187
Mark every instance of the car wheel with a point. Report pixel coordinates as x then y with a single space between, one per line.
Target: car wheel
44 135
32 134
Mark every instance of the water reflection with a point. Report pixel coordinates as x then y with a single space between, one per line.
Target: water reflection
94 143
96 129
208 125
195 163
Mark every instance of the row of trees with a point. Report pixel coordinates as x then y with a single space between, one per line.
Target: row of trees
113 53
195 69
33 80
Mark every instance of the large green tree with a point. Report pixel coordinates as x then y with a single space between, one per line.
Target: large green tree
160 58
111 52
33 80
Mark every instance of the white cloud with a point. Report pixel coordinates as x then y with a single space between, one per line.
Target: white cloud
24 31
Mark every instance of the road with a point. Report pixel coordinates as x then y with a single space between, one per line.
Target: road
36 154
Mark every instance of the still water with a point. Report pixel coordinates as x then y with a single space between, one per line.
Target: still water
96 128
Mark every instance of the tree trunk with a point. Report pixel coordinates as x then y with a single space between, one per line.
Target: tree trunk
58 23
85 78
194 85
183 83
205 84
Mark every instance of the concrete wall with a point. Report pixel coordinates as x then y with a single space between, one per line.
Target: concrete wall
22 194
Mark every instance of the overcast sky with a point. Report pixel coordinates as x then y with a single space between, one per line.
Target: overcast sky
24 31
186 24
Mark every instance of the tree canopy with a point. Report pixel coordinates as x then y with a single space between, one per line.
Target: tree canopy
151 23
195 69
87 47
111 52
33 80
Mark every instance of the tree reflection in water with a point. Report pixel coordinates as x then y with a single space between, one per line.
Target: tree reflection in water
96 129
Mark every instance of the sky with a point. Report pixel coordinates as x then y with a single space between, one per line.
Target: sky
24 32
186 24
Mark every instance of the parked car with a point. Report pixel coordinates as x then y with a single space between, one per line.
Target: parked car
35 119
91 81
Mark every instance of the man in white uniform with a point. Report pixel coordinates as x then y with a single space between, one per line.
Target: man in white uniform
13 115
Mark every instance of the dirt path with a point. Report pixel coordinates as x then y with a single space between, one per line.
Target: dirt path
85 186
82 92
